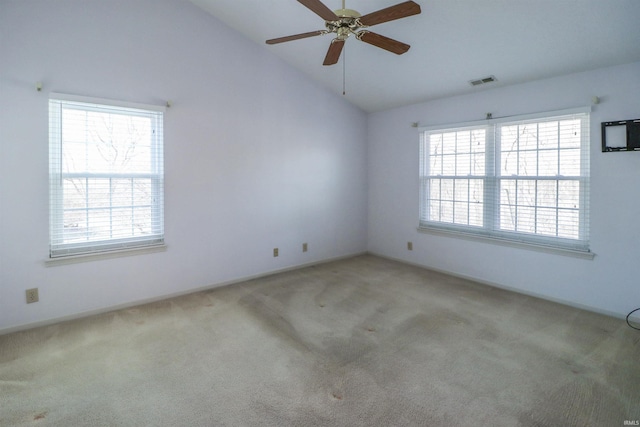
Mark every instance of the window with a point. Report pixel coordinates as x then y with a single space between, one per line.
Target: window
518 179
106 176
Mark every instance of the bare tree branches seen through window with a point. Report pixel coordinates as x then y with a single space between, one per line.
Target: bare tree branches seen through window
107 176
524 180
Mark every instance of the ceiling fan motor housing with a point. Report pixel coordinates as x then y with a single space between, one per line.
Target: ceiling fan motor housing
347 13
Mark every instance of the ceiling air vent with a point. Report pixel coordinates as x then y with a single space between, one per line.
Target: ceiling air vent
482 81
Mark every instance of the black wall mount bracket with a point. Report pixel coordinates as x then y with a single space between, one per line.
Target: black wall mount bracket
621 135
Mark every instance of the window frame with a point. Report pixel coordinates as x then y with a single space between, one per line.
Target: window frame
58 247
491 229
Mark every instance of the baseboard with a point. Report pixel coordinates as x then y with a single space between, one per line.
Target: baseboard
136 303
504 287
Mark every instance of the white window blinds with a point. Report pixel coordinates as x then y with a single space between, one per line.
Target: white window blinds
106 176
518 179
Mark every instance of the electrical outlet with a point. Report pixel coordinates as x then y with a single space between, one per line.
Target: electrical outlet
32 295
304 247
275 252
410 246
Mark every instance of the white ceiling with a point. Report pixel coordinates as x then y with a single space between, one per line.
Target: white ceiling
452 42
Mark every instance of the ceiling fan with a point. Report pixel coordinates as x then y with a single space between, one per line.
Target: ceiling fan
345 22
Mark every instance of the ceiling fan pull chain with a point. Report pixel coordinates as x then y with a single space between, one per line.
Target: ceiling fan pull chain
344 72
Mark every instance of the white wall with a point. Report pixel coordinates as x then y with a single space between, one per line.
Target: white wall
609 283
256 155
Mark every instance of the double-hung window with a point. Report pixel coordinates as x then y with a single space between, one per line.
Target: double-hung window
106 176
522 179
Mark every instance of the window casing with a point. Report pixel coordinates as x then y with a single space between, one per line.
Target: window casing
106 176
518 179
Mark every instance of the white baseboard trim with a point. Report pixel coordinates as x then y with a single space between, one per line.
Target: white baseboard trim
143 301
505 287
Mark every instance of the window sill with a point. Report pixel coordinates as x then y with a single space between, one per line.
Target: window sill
510 243
74 259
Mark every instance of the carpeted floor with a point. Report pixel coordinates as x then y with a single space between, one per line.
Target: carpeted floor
359 342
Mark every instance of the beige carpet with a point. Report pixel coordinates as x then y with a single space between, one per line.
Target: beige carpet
359 342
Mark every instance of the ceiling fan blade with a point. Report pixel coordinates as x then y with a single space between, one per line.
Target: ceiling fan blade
333 54
383 42
296 37
401 10
317 7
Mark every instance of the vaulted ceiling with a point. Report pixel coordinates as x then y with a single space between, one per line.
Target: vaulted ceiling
452 42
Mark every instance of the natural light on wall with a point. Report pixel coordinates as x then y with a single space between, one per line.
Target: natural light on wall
106 176
521 179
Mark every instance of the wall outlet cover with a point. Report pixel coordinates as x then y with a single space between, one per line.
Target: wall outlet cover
32 295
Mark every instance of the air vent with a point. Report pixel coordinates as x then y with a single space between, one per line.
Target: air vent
482 81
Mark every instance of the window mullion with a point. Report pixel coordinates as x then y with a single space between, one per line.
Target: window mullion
535 186
133 226
86 203
454 180
492 184
111 207
558 180
557 210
